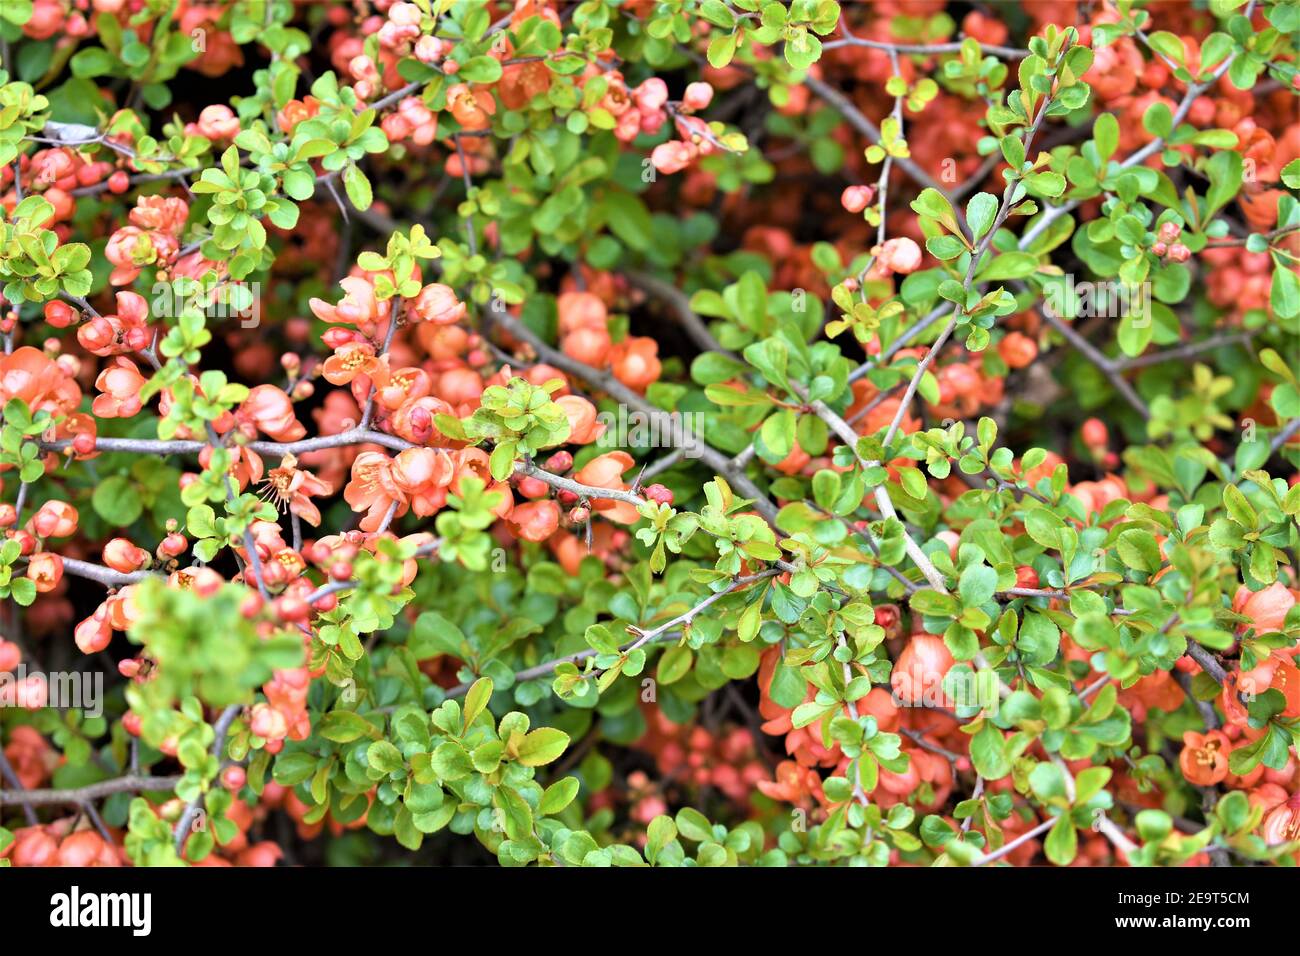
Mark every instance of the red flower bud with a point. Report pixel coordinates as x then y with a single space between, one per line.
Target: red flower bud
26 541
251 605
174 545
233 778
60 314
660 494
560 462
1026 577
291 608
1094 433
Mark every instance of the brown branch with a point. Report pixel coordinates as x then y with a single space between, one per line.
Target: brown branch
94 791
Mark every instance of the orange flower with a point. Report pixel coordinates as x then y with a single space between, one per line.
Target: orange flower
460 387
870 411
353 359
793 784
1204 758
295 111
413 421
635 362
94 634
473 463
1282 824
897 255
471 108
590 346
1096 495
131 248
442 341
39 381
1017 349
271 411
583 427
1267 609
45 570
521 82
54 519
920 669
402 385
535 520
163 213
606 471
290 485
437 303
373 490
358 307
127 331
1276 672
570 550
580 310
120 384
424 474
121 555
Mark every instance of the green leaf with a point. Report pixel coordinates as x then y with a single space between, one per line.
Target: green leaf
977 585
481 69
384 757
945 247
1239 508
721 49
92 61
777 434
117 501
628 219
1291 174
1138 549
541 746
1047 782
932 203
693 825
1284 293
1158 120
981 210
1105 132
357 187
293 768
558 796
475 700
1134 334
1062 843
988 752
1038 640
345 726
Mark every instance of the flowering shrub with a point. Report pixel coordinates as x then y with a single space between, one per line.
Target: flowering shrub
957 521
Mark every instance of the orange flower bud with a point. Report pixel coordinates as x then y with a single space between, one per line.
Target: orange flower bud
55 519
535 520
920 669
45 570
121 555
